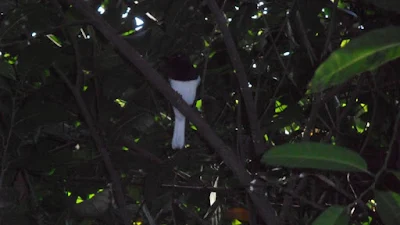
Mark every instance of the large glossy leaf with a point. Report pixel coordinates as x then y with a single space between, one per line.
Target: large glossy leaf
334 215
388 206
365 53
392 5
315 156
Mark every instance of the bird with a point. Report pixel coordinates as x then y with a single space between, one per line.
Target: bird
184 79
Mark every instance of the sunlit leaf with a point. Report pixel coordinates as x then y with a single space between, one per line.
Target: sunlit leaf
127 33
371 204
344 42
360 125
79 200
206 44
91 196
279 107
120 102
199 104
315 156
266 137
369 222
54 39
364 107
193 127
365 53
212 54
236 222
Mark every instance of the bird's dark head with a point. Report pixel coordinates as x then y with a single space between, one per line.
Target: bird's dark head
179 67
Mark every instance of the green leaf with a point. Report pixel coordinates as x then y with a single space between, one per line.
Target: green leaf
315 156
365 53
236 222
388 207
279 107
127 33
199 104
334 215
7 70
54 39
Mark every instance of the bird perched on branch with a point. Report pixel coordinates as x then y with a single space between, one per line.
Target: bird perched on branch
184 80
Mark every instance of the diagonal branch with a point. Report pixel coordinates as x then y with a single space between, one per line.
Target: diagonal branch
260 200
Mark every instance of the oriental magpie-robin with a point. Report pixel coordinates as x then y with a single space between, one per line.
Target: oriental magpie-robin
184 79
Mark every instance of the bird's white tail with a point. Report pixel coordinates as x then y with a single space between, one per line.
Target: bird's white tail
178 139
187 89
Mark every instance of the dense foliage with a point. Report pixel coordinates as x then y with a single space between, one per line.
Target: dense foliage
298 100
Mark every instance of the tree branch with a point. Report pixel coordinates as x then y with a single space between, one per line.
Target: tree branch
265 209
237 64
